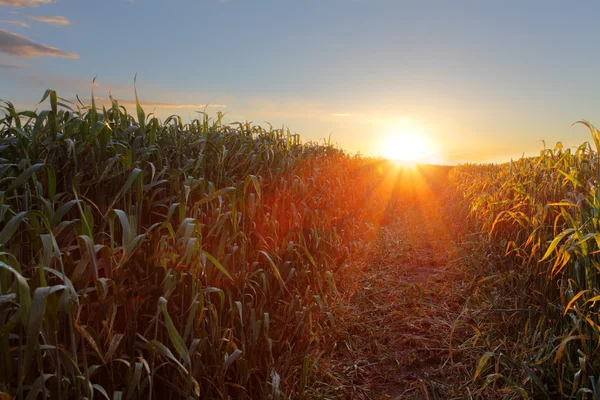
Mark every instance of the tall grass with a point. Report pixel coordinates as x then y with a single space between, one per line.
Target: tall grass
142 258
540 218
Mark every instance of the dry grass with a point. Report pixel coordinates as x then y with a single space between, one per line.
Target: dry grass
396 311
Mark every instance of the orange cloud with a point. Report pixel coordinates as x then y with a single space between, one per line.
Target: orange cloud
175 105
23 3
57 20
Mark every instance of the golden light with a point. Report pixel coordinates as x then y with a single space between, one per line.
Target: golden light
407 147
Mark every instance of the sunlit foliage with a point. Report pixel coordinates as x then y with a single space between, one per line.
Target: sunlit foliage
540 265
142 258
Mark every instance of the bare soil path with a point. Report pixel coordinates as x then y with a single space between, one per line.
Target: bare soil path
397 320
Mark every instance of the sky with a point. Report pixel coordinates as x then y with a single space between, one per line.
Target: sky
479 81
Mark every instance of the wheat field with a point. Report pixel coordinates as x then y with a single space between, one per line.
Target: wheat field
151 259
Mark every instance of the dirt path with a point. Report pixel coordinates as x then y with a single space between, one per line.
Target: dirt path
396 323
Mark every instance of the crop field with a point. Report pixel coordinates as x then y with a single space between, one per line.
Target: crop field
143 258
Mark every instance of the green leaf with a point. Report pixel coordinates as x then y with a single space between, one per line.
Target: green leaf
556 241
155 345
138 107
275 269
135 380
71 292
217 264
47 93
51 183
40 297
573 300
127 234
62 211
38 386
22 178
114 345
135 173
89 338
24 293
91 250
11 227
213 196
536 379
48 249
255 182
231 358
482 364
174 335
191 318
101 390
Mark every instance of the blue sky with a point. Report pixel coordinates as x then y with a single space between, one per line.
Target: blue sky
481 80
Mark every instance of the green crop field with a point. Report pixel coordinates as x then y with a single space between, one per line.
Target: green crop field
155 259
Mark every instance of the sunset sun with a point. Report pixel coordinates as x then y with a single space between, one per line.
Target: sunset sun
406 147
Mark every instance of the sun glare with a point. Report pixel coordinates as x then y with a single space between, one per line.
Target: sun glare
406 147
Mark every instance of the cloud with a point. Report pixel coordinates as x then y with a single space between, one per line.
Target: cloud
341 114
22 24
20 46
10 66
57 20
152 104
23 3
175 105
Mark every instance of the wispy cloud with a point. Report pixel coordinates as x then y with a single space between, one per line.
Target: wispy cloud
10 66
341 114
22 24
174 105
56 20
20 46
154 104
23 3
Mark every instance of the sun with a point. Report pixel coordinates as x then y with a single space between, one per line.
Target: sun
406 147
